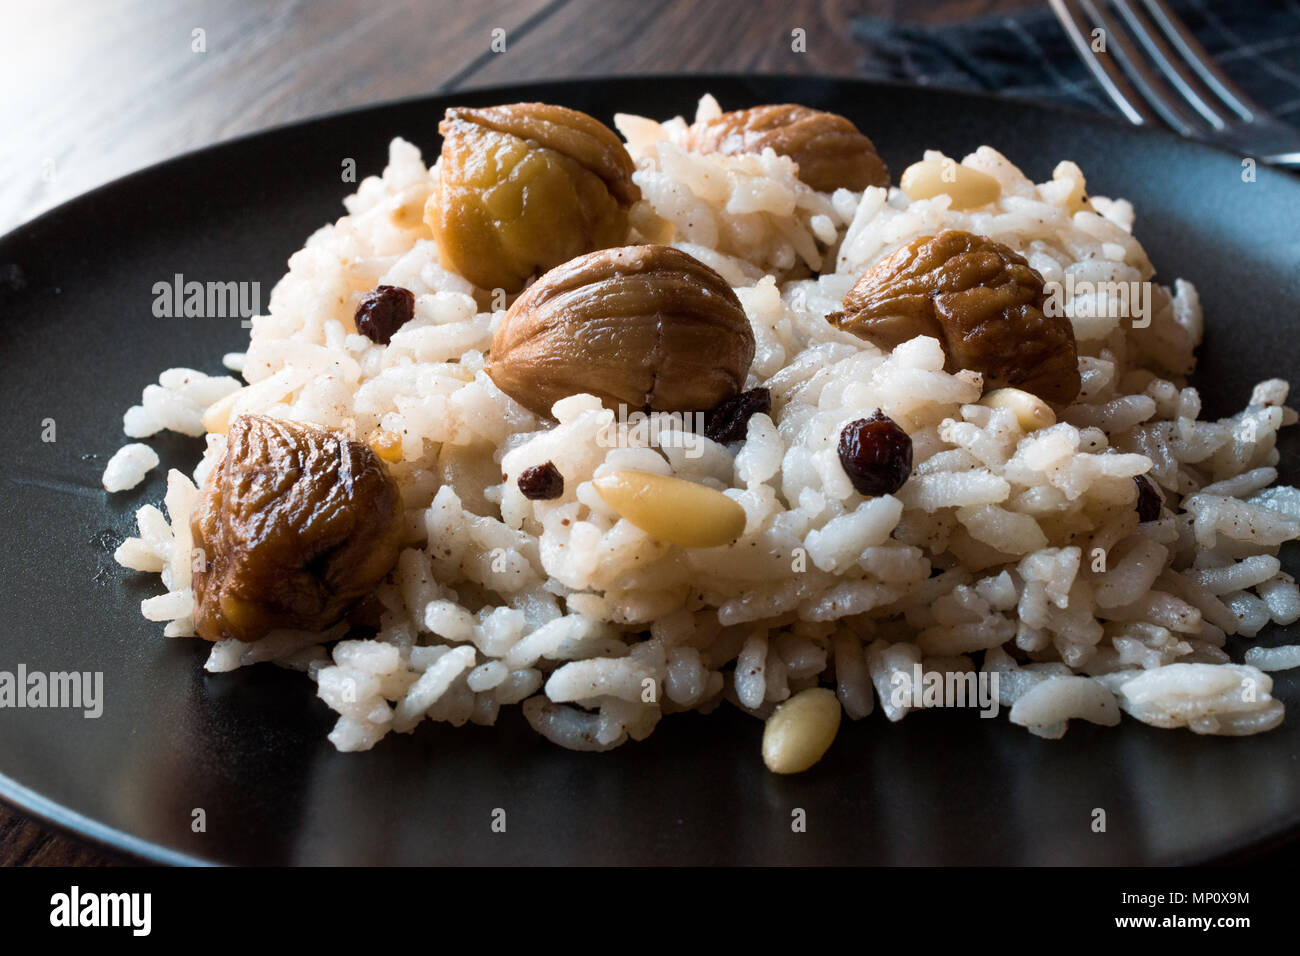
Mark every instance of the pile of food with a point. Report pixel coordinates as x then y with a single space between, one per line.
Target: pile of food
612 428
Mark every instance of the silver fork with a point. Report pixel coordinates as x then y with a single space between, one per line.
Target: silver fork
1155 72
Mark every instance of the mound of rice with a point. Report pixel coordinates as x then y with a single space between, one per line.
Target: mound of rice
1001 543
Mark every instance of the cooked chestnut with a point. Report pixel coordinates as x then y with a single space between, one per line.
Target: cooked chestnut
524 187
980 299
648 327
828 149
295 524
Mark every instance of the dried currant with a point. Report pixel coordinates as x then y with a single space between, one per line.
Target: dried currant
727 421
1148 499
876 454
384 311
541 482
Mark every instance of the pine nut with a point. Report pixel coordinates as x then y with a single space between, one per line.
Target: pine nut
407 211
680 512
968 188
387 445
801 730
216 417
1031 411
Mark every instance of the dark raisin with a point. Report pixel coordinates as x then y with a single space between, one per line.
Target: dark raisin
541 482
876 454
1148 500
384 311
726 421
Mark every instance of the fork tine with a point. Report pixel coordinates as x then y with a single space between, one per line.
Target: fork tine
1146 80
1200 61
1185 89
1103 69
1175 71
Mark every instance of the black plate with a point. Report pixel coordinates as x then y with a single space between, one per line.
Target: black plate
80 340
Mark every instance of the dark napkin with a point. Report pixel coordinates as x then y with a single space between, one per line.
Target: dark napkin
1028 55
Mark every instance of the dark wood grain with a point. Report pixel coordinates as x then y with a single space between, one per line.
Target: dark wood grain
94 90
686 36
114 85
623 37
25 842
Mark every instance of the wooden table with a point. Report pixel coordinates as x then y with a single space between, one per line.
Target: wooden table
94 90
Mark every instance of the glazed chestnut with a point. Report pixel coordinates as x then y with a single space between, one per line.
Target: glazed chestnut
982 302
295 524
525 187
647 327
828 149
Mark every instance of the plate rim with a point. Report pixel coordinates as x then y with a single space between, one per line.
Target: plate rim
68 823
